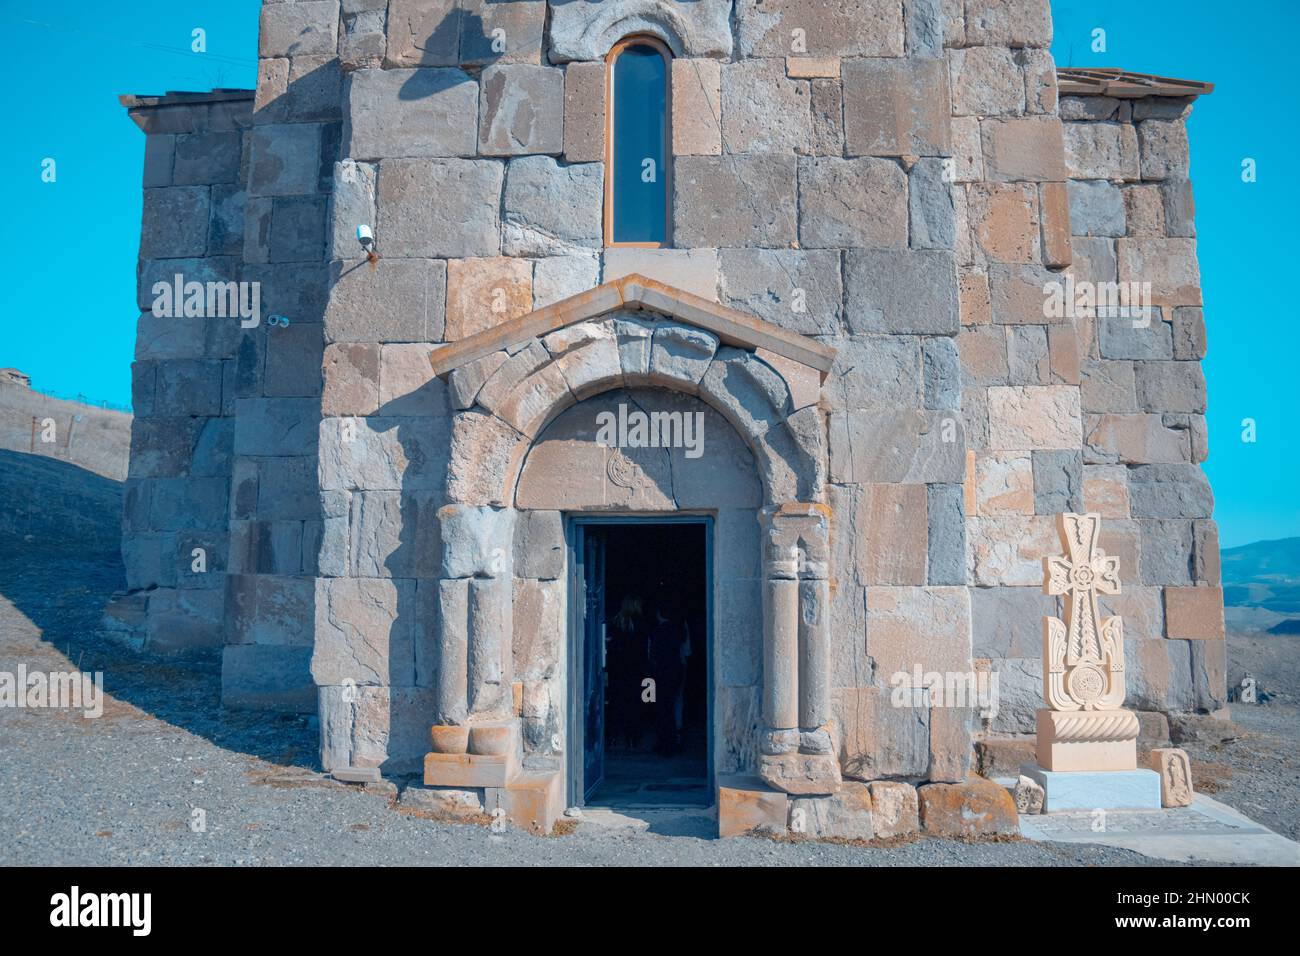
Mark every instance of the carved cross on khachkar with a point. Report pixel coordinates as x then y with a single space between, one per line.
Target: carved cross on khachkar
1083 726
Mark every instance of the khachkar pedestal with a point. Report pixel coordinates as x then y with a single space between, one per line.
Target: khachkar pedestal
1087 742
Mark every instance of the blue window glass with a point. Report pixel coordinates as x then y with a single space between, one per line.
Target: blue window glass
639 145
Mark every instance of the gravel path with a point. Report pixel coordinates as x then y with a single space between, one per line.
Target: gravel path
123 789
1257 768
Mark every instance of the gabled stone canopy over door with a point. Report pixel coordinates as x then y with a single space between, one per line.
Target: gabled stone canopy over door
509 382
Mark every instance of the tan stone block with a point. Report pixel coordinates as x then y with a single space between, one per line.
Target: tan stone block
484 293
891 542
584 112
976 304
902 622
404 370
894 809
468 770
1064 354
801 773
1175 775
351 374
1009 549
974 808
1169 265
967 151
1144 208
533 801
746 804
1194 613
1136 439
1004 484
1105 490
1054 206
810 67
1024 149
1023 417
697 107
1004 220
1002 756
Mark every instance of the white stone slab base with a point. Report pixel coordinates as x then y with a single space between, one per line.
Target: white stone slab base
1096 789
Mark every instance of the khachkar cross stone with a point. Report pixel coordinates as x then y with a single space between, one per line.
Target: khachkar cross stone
1083 726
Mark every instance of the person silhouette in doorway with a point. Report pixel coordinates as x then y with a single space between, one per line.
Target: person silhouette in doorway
667 648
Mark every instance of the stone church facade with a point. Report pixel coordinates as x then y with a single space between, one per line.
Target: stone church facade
872 204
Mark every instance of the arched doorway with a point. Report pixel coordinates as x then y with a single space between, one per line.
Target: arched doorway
510 383
659 499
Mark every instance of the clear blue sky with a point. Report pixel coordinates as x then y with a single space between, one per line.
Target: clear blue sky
68 306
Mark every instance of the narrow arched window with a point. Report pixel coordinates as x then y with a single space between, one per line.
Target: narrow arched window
638 147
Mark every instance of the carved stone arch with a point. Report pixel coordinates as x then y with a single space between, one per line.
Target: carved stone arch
543 379
586 30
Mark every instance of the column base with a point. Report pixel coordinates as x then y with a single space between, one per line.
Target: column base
1075 741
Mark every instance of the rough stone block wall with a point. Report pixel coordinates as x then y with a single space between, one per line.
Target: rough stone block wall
1071 411
892 177
185 374
1144 396
277 518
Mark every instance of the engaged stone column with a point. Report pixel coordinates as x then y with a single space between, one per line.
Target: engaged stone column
797 755
475 621
780 646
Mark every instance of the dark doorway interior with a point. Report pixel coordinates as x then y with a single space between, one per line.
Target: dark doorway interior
646 619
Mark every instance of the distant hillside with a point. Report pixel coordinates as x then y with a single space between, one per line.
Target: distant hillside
1261 585
88 436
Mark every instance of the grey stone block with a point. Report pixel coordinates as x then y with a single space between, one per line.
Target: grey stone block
1028 358
946 563
829 28
1096 208
189 387
1166 551
1169 491
930 207
303 27
175 222
440 209
550 209
896 107
907 291
521 110
297 229
735 201
189 504
942 374
1164 387
924 23
400 300
207 157
797 289
411 113
539 544
267 677
876 372
1058 482
852 203
1118 338
1007 622
276 426
753 92
284 159
226 227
